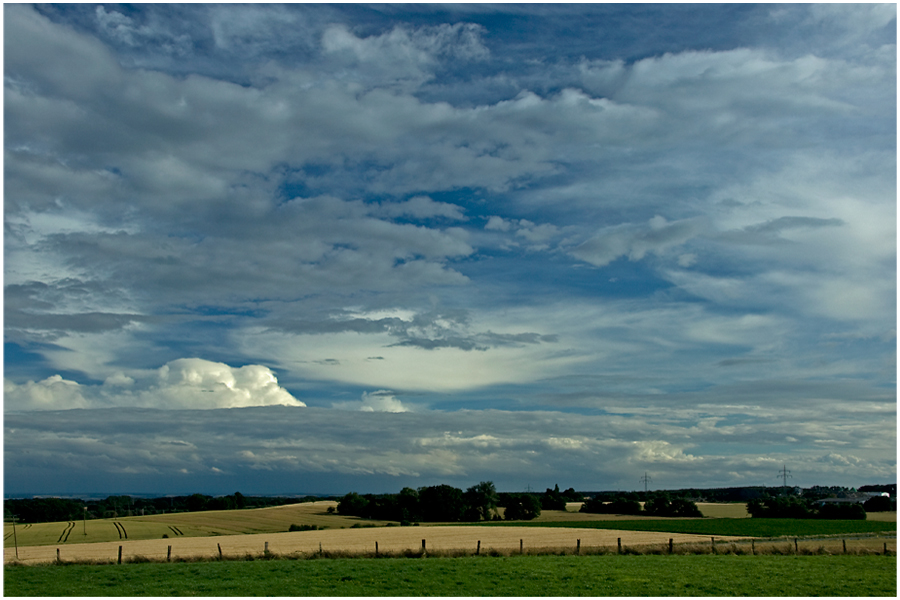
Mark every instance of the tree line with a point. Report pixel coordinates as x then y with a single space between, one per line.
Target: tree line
804 507
444 503
657 504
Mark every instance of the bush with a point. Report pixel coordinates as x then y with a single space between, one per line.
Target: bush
842 511
663 505
782 507
303 528
791 507
620 506
880 504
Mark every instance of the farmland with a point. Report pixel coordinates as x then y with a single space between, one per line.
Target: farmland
176 529
518 558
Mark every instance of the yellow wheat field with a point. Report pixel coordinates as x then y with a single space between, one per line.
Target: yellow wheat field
389 539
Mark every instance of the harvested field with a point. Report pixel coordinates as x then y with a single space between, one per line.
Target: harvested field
890 517
392 539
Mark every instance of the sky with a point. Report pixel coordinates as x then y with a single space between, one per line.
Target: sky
287 249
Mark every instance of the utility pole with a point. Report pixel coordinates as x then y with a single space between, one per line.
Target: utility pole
784 474
646 479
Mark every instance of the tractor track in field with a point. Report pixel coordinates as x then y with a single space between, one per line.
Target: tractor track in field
175 530
66 531
123 535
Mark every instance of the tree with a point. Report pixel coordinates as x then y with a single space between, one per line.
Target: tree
658 504
408 505
197 502
481 501
553 500
352 504
441 503
522 507
570 495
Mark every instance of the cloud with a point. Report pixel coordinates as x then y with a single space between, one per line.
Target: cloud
378 401
423 207
402 52
251 445
636 241
53 393
188 383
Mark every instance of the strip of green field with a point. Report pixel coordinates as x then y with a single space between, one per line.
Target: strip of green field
704 575
738 527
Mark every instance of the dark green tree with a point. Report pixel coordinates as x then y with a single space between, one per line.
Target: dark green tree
481 501
441 503
408 505
352 504
553 500
197 502
522 507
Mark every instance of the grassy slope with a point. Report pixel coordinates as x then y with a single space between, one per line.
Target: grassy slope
706 575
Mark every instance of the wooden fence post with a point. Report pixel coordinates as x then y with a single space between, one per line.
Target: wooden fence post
670 545
578 547
620 545
169 554
521 546
376 549
796 547
57 555
845 546
423 545
120 555
266 551
220 550
478 548
752 547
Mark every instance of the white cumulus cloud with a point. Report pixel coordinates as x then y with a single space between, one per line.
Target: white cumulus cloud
187 383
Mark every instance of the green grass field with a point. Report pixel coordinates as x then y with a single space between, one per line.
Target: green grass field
704 575
738 527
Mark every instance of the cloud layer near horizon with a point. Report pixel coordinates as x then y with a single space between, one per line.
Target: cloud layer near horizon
430 209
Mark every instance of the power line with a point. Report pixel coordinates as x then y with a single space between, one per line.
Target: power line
784 473
645 480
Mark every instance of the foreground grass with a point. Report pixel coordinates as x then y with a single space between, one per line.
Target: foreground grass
738 527
703 575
